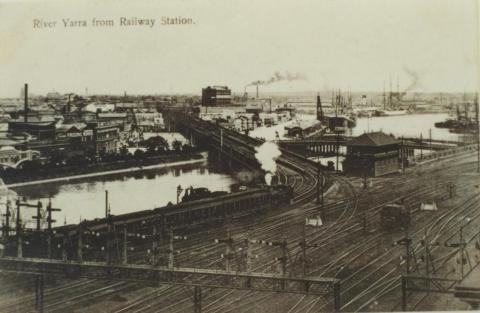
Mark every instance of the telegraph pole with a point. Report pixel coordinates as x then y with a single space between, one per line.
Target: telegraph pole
7 215
50 220
406 241
38 217
125 235
155 245
319 183
402 156
106 204
170 252
421 148
228 250
462 252
430 139
179 192
304 252
18 229
80 231
478 133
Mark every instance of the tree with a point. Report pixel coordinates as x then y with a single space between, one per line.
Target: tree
124 153
186 148
177 145
139 154
56 158
162 144
30 165
77 160
156 144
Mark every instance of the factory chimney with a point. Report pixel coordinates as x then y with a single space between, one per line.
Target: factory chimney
257 91
25 116
319 108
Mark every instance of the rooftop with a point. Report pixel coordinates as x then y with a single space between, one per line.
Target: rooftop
373 139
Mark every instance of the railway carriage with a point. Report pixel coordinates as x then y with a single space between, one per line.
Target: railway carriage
395 216
206 210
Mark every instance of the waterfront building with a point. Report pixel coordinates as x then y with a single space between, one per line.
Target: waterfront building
77 134
254 108
39 130
106 135
11 157
150 121
372 154
303 128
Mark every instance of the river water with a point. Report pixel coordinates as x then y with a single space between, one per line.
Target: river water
409 125
85 198
153 188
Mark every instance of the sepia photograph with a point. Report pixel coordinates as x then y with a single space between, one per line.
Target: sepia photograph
239 156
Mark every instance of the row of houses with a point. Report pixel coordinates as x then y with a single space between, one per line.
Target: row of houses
103 133
243 119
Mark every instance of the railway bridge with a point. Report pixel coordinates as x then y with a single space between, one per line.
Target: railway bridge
226 145
330 145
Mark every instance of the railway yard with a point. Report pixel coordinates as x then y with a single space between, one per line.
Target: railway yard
351 246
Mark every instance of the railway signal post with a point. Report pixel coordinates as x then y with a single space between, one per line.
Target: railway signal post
50 221
6 227
18 230
124 246
39 216
39 293
228 250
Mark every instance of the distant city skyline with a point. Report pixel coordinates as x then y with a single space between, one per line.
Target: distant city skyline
430 46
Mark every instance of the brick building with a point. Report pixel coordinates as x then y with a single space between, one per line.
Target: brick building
216 96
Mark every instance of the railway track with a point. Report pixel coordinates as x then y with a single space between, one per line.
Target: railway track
286 223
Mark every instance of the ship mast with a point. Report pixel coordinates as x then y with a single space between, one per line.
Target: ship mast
384 95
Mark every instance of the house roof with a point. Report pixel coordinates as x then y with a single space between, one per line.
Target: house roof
72 126
373 139
304 124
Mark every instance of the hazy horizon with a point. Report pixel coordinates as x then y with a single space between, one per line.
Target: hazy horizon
425 46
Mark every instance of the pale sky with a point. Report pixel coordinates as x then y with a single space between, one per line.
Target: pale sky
333 43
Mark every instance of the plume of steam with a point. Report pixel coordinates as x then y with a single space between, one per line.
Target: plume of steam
277 77
5 196
247 177
6 193
267 154
414 79
268 178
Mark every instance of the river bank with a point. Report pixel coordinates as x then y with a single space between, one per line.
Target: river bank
43 175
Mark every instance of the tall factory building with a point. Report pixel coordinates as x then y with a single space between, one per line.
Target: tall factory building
216 96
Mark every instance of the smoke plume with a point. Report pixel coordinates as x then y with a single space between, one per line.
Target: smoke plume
278 77
414 80
266 155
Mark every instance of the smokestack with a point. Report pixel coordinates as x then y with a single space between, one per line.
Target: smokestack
257 91
25 117
319 108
